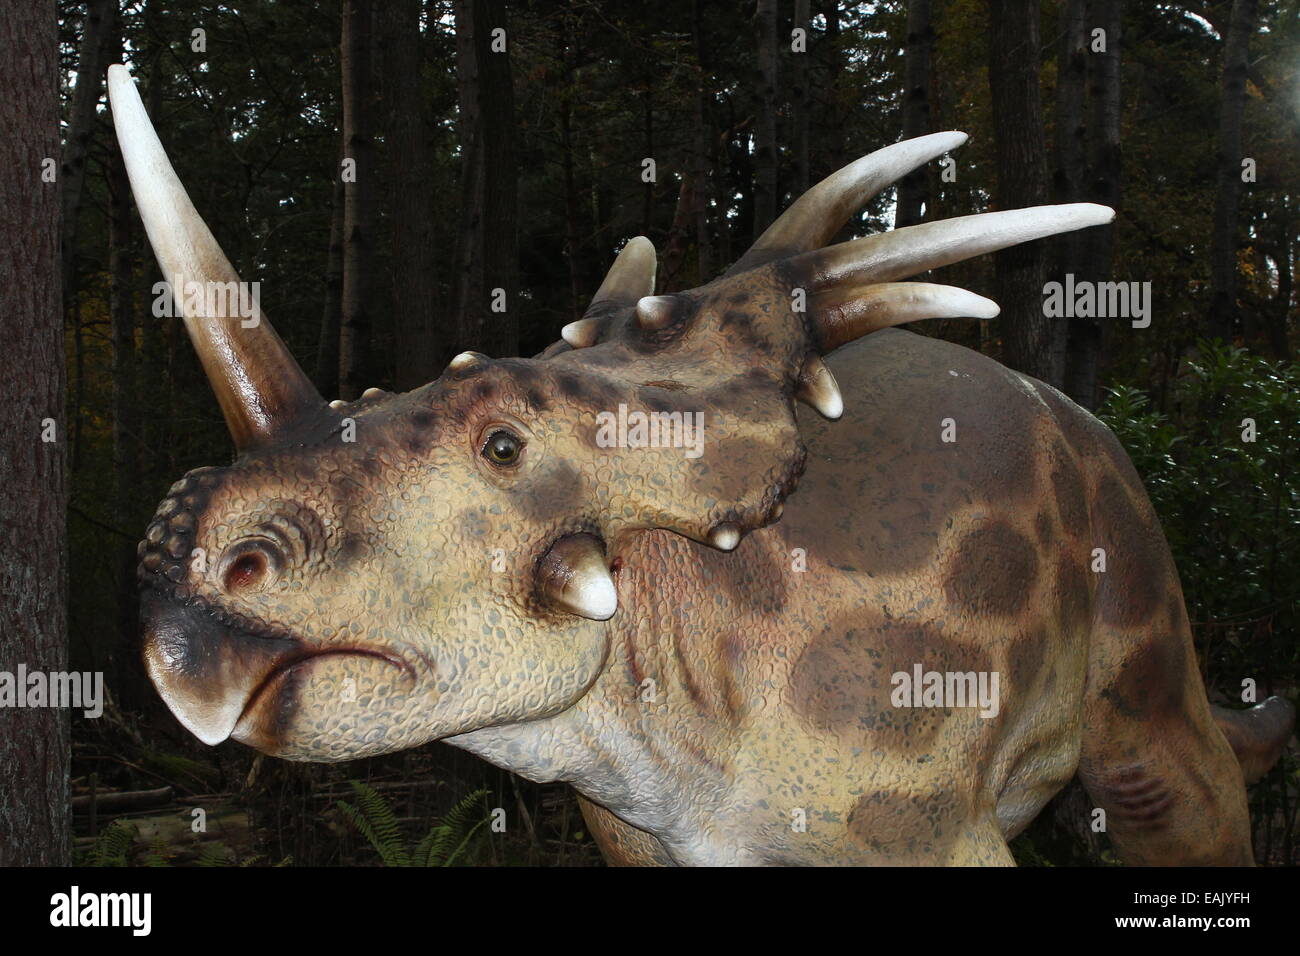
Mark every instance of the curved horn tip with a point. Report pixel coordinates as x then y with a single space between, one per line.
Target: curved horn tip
581 334
817 387
575 578
954 137
654 311
592 596
1082 214
639 245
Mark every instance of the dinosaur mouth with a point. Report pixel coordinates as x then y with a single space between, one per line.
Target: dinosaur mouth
221 681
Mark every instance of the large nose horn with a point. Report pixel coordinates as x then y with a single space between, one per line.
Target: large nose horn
261 389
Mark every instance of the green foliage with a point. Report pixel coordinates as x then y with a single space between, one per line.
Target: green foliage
116 846
441 846
112 847
1230 507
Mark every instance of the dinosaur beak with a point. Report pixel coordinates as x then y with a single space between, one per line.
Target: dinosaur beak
207 672
261 389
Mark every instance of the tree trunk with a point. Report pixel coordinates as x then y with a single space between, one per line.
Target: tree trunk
1070 148
801 99
1088 337
97 31
422 345
488 261
574 207
703 146
1070 161
1227 158
765 144
34 741
1021 157
327 355
913 191
1277 310
358 203
123 666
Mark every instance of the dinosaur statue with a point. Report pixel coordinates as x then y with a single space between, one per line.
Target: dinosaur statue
635 565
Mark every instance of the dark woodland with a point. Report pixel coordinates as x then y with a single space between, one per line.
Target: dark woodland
522 171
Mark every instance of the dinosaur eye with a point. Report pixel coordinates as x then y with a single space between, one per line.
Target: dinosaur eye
502 448
246 571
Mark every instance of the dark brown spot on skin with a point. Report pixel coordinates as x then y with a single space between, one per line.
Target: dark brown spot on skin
906 827
571 386
1072 593
351 548
886 485
1026 660
422 418
1067 486
537 399
483 391
555 492
1150 684
1042 527
993 572
656 401
1130 590
842 682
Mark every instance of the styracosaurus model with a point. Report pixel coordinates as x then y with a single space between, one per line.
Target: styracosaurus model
745 634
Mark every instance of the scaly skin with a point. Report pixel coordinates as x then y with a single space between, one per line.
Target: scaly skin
444 564
773 685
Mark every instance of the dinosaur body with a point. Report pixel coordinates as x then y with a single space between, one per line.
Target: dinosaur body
631 564
773 686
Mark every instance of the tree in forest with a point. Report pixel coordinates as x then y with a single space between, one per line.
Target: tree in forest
913 189
359 177
1228 170
766 148
421 344
1032 343
34 741
487 261
99 26
1089 339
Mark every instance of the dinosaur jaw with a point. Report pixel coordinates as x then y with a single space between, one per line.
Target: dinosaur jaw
222 682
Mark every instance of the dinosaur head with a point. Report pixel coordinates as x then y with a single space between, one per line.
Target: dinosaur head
371 575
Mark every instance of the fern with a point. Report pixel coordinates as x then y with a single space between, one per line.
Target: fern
213 854
377 823
112 845
445 842
441 846
157 855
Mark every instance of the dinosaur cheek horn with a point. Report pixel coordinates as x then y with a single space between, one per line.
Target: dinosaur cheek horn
261 389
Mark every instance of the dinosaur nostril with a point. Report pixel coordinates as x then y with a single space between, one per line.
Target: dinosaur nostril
245 572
